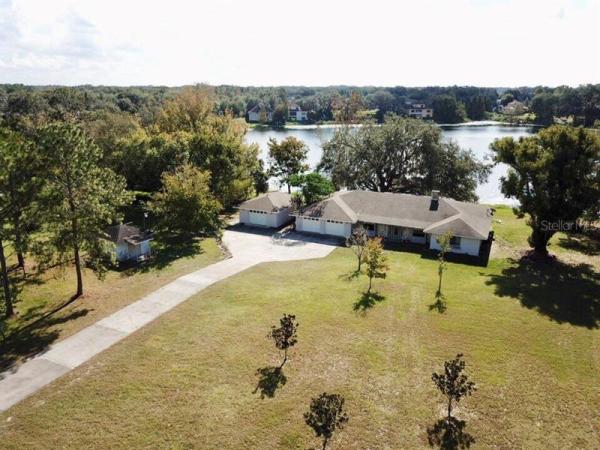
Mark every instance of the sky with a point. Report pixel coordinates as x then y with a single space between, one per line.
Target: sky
499 43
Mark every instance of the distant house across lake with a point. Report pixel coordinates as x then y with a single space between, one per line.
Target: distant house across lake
260 114
296 113
420 111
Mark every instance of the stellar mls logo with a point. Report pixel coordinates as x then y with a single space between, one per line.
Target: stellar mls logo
566 226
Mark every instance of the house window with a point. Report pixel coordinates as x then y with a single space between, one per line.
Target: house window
455 242
370 226
418 233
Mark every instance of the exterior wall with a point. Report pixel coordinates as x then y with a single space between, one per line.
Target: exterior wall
255 116
410 237
280 218
421 112
301 226
122 252
126 252
244 216
274 220
467 246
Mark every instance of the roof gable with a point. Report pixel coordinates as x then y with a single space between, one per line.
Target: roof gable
269 202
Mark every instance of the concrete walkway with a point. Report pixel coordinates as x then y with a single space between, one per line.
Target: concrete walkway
248 247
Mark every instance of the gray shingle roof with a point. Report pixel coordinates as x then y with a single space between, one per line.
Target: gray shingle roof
269 202
125 233
463 219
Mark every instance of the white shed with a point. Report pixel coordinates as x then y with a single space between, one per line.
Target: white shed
130 243
270 210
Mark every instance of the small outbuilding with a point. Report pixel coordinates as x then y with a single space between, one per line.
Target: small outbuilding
131 244
268 210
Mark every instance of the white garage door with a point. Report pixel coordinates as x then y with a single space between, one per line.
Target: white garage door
311 226
258 219
335 229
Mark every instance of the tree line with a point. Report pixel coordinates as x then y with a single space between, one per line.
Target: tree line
65 178
451 104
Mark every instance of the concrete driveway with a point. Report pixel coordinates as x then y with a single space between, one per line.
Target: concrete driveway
248 247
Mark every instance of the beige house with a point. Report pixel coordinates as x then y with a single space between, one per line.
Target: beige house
131 244
418 219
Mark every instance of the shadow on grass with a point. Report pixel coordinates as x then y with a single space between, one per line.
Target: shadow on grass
440 303
165 250
449 434
565 293
367 301
269 380
35 337
582 243
352 275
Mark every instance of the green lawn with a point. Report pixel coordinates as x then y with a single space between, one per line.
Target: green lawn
529 334
41 317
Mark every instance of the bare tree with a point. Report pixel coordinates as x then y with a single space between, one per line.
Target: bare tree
444 243
285 336
326 415
358 242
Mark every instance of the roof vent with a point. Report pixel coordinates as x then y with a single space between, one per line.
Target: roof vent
435 197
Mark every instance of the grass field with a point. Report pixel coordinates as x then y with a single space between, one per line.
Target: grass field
530 335
44 314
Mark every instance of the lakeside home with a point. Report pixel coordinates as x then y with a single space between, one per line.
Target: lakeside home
420 111
417 219
260 114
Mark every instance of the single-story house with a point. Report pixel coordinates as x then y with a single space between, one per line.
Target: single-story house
260 114
268 210
418 219
131 244
295 112
420 110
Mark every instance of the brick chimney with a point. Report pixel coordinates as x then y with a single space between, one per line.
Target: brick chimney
435 200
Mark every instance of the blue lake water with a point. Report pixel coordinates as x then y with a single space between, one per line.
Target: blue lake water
477 138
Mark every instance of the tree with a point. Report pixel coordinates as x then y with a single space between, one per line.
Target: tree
280 115
314 186
357 241
447 109
285 336
185 204
192 131
261 178
375 260
20 183
453 383
555 176
401 155
9 310
444 243
346 108
544 106
506 99
287 158
326 415
79 199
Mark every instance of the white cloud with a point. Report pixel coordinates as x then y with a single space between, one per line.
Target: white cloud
269 42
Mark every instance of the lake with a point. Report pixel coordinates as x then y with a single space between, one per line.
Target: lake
475 137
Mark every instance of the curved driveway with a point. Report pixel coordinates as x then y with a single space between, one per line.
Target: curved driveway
247 246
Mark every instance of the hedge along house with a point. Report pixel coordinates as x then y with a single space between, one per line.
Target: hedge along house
418 219
268 210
